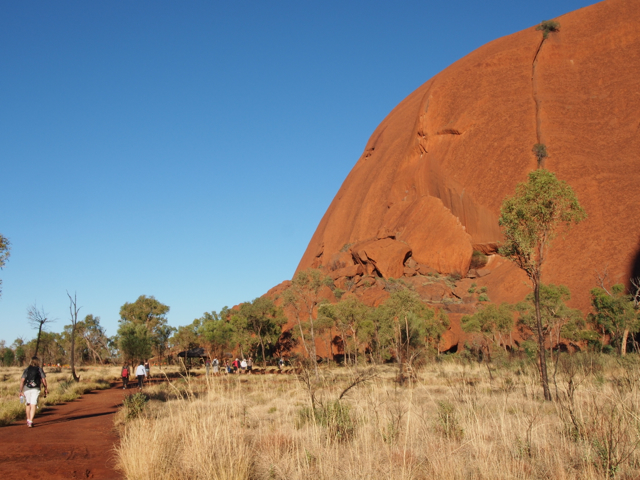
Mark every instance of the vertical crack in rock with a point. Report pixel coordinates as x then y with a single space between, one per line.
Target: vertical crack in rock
536 100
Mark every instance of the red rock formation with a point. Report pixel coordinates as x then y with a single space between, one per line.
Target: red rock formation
435 172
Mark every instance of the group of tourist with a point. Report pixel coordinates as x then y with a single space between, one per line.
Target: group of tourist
143 370
237 366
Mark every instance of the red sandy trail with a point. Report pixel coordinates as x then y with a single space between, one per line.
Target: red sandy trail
72 440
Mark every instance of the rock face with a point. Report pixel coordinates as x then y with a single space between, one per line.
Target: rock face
427 190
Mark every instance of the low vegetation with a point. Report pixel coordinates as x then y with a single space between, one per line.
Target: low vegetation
455 419
547 27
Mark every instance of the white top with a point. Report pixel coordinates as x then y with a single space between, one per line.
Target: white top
243 363
140 370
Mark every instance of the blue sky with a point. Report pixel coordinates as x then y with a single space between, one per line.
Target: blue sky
188 150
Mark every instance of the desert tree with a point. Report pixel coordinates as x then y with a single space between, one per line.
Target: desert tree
94 336
413 325
145 319
530 220
492 322
217 331
185 337
615 314
303 297
38 319
261 321
5 248
73 316
559 321
19 348
347 316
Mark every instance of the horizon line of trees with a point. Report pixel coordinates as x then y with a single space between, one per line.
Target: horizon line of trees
402 330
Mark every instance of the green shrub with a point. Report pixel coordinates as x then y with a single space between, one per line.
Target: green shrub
134 405
547 27
448 425
483 297
478 260
335 416
540 151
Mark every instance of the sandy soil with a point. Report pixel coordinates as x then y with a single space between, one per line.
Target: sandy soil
72 440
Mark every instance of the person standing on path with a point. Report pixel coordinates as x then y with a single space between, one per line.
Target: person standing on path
249 365
141 373
216 366
147 369
32 379
125 376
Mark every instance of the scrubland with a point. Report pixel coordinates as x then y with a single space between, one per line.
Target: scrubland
452 420
62 388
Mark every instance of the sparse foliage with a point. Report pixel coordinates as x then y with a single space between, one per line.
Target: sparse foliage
547 27
39 319
5 248
530 220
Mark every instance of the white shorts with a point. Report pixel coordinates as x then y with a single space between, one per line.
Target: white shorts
31 395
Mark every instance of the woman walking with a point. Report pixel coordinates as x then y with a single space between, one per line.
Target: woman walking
125 376
141 372
32 378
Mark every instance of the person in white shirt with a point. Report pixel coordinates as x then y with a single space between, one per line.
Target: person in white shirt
141 373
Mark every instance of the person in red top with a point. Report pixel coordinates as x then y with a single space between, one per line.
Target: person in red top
126 372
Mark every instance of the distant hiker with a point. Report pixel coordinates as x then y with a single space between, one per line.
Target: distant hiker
243 365
227 367
141 373
125 376
236 365
207 364
216 366
147 369
249 364
280 363
32 377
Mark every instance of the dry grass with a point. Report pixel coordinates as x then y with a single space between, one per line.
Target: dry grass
455 421
62 388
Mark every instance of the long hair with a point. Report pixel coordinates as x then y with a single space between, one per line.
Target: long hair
35 362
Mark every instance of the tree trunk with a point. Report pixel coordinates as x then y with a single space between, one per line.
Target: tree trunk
38 341
541 350
623 345
314 357
264 359
398 351
73 354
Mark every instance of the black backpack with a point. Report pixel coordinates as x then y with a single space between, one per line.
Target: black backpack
33 377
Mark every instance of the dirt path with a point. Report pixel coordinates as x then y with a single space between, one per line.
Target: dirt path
72 440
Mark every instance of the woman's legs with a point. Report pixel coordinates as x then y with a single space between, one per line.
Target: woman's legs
140 377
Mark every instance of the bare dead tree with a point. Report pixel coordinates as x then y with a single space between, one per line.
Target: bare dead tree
73 311
38 318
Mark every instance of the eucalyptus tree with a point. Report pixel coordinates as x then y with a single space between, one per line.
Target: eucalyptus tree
303 297
259 322
141 327
531 219
5 248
